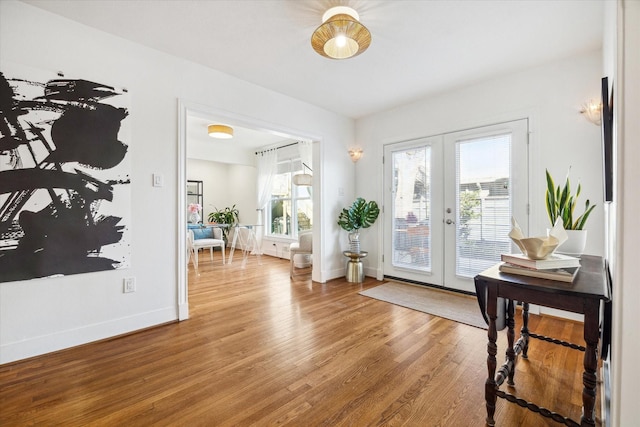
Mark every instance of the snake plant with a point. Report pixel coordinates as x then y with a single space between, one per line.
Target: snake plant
361 214
561 204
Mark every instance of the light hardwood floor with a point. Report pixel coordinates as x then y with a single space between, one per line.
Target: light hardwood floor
263 349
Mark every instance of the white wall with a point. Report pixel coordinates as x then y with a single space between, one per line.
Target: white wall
225 185
44 315
197 148
549 95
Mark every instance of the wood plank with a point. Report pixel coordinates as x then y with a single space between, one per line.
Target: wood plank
263 349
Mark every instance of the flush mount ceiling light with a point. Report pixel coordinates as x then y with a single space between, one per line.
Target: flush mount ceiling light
220 131
341 35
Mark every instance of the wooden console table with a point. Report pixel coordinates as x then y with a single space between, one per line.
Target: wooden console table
583 296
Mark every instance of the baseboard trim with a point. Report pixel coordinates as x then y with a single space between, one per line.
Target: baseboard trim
183 311
37 346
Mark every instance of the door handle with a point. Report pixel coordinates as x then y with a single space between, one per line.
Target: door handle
449 221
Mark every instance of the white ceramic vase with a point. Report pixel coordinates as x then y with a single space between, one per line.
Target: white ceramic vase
354 242
194 217
575 243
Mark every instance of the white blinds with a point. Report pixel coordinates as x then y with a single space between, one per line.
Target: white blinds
483 202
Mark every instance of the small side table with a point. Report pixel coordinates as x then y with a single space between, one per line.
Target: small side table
584 296
355 270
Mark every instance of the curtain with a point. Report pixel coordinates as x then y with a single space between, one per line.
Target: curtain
267 168
306 154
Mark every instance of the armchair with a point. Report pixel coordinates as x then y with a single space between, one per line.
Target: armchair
304 246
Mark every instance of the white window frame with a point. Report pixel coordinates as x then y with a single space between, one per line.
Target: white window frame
294 199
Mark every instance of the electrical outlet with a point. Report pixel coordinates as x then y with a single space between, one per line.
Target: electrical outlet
129 285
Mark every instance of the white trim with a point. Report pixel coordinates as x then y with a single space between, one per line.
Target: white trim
318 164
60 340
625 371
183 284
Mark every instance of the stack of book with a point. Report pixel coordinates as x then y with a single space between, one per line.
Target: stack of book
555 267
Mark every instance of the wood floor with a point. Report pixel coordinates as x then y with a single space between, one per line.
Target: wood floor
263 349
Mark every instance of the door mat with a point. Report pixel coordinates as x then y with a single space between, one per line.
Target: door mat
449 305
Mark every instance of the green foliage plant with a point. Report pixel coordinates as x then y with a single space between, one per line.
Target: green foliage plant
228 215
561 204
469 210
361 214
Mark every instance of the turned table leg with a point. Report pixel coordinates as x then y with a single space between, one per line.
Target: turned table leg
589 379
511 354
524 331
490 385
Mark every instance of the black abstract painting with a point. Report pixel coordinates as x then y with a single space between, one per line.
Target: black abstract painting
64 176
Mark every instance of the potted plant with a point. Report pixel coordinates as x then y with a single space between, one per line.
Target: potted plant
228 216
561 204
361 214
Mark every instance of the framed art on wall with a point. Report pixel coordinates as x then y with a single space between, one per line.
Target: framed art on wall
64 175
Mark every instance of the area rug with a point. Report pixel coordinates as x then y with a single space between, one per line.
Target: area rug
450 305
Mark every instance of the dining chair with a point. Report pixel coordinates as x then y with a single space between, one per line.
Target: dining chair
207 237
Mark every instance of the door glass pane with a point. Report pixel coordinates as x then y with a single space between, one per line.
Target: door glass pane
483 202
411 241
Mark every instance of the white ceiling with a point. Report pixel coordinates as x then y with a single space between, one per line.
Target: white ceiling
202 146
418 47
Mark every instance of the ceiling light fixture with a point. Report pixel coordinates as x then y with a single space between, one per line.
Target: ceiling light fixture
341 35
220 131
592 111
303 179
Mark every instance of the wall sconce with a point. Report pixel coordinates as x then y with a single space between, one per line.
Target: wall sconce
355 154
592 111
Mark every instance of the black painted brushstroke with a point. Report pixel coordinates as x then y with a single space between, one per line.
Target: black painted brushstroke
30 179
60 240
77 90
67 235
89 137
11 133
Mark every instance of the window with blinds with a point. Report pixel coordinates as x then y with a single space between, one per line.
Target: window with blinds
483 202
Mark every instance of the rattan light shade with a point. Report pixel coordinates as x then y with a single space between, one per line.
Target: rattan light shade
341 35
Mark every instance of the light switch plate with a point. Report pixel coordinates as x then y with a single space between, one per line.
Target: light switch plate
158 180
129 285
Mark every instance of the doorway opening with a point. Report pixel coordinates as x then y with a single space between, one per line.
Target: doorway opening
190 113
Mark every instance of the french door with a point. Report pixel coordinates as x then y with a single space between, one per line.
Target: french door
449 200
